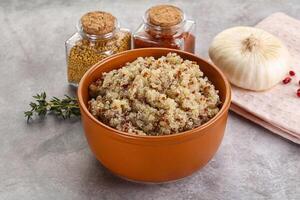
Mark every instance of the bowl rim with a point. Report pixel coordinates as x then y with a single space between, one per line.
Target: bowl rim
224 108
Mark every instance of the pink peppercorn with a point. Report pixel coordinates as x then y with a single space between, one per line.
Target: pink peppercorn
298 92
286 80
292 73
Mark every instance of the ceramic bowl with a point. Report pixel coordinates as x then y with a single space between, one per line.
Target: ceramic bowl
153 158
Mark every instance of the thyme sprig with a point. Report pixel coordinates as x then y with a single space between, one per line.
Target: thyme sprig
65 107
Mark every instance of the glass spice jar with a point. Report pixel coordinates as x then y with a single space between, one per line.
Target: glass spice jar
98 36
165 26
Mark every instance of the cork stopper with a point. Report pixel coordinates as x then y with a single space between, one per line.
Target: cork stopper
98 22
165 15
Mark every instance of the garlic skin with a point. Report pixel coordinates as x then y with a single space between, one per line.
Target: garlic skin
251 58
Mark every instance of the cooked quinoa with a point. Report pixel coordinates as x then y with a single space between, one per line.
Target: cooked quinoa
154 96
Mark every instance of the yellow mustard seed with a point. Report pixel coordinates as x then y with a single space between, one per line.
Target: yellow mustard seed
85 53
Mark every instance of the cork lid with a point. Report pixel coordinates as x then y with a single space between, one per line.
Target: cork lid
165 15
98 22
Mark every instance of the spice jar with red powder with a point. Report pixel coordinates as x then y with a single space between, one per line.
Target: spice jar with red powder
165 26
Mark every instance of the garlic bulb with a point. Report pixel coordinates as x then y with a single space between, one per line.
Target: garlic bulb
251 58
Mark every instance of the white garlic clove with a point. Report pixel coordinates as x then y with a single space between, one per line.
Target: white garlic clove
251 58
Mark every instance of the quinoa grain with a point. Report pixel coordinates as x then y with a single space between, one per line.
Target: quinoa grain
163 96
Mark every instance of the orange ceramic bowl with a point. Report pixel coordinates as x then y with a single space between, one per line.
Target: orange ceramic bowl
153 158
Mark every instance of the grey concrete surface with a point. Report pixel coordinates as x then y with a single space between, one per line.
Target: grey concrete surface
50 159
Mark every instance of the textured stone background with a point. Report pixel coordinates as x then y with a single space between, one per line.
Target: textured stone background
50 159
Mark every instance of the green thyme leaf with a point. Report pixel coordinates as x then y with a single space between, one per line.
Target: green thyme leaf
66 107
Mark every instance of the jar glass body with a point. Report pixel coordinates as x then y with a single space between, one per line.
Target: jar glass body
83 51
181 36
